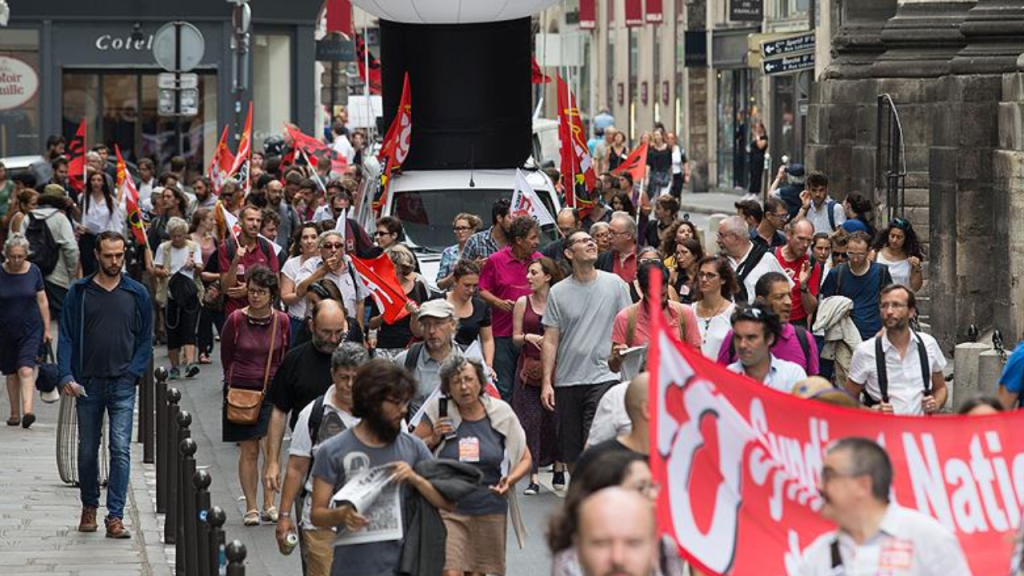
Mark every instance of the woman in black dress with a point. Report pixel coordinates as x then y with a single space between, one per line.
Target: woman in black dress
758 149
472 313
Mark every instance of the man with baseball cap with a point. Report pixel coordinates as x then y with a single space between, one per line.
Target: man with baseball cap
436 321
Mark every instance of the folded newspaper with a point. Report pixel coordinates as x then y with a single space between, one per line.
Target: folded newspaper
373 494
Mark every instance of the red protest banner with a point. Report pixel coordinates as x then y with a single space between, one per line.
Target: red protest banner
742 464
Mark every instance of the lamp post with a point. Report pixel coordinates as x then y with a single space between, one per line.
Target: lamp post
241 20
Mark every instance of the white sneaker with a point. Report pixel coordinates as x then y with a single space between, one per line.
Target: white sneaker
51 396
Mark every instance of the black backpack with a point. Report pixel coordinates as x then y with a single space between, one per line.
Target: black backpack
265 247
43 249
757 252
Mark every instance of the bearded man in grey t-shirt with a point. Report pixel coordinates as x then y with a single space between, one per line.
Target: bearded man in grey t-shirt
577 342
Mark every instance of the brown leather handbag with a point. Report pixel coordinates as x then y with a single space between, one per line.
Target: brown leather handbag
244 405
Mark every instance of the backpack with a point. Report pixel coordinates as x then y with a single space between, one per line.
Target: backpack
316 419
414 352
757 252
42 247
801 337
163 284
883 376
830 206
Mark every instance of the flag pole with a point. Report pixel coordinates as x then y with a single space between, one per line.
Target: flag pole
366 85
568 114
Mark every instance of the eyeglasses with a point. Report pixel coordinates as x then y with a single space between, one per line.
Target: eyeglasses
587 240
839 256
783 216
461 228
857 254
333 246
259 292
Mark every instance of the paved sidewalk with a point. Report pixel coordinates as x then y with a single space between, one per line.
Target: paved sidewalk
39 514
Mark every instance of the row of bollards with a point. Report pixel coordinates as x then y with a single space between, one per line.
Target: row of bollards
182 493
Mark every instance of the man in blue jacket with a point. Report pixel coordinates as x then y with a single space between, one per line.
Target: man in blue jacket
106 340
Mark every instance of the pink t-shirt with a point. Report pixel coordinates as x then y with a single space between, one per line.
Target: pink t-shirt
505 277
641 334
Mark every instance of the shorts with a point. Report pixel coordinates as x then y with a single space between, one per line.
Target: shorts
318 551
475 543
575 407
181 324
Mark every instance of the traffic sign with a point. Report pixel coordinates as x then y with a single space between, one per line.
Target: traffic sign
788 64
335 50
167 80
791 45
166 46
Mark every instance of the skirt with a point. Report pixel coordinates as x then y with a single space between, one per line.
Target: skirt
231 432
21 351
475 543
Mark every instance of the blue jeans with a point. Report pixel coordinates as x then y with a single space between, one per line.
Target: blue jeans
116 397
506 358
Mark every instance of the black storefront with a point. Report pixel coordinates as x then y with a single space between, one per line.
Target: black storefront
94 61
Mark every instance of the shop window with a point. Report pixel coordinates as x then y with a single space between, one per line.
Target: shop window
20 84
271 85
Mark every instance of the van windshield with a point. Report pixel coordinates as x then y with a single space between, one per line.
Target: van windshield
427 215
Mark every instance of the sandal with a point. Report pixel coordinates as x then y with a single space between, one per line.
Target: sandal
205 359
251 518
269 514
13 421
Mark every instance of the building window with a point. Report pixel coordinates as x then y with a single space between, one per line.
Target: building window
19 97
271 85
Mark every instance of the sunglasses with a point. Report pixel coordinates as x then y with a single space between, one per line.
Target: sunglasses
379 234
901 223
333 246
461 228
750 314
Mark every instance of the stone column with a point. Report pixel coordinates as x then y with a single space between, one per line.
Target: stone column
858 41
994 31
922 39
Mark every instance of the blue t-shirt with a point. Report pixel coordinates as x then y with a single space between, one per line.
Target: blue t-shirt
482 446
1013 372
864 291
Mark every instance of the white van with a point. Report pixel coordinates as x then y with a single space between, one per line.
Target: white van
427 201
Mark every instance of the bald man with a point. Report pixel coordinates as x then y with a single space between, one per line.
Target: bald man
567 222
631 399
616 534
304 376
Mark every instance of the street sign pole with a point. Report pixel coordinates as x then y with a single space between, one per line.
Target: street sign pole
177 91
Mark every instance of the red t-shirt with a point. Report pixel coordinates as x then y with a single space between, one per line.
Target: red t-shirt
262 254
793 271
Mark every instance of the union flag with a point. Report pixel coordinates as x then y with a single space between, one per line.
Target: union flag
223 161
577 167
76 159
635 164
379 277
126 189
396 144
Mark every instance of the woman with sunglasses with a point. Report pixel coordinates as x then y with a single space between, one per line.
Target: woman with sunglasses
713 305
897 247
684 267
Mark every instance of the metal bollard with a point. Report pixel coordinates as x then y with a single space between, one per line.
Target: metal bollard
201 481
183 495
235 552
171 476
190 517
146 416
162 409
216 519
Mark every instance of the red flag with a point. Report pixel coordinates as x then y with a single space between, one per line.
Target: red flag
539 77
576 166
654 12
221 164
339 17
635 164
76 159
378 275
240 167
634 13
588 14
315 149
396 144
126 189
366 58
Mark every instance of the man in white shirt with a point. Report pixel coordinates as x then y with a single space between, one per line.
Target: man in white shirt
335 416
341 144
874 536
826 214
749 260
912 381
335 266
754 330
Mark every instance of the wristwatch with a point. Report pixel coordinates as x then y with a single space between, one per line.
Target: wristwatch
284 514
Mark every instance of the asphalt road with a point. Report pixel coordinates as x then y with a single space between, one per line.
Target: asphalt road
202 398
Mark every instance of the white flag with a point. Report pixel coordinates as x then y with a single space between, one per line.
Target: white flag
526 202
341 225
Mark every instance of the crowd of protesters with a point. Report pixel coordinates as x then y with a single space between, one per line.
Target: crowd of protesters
796 286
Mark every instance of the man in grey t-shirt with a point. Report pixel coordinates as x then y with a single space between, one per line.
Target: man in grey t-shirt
380 397
577 339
